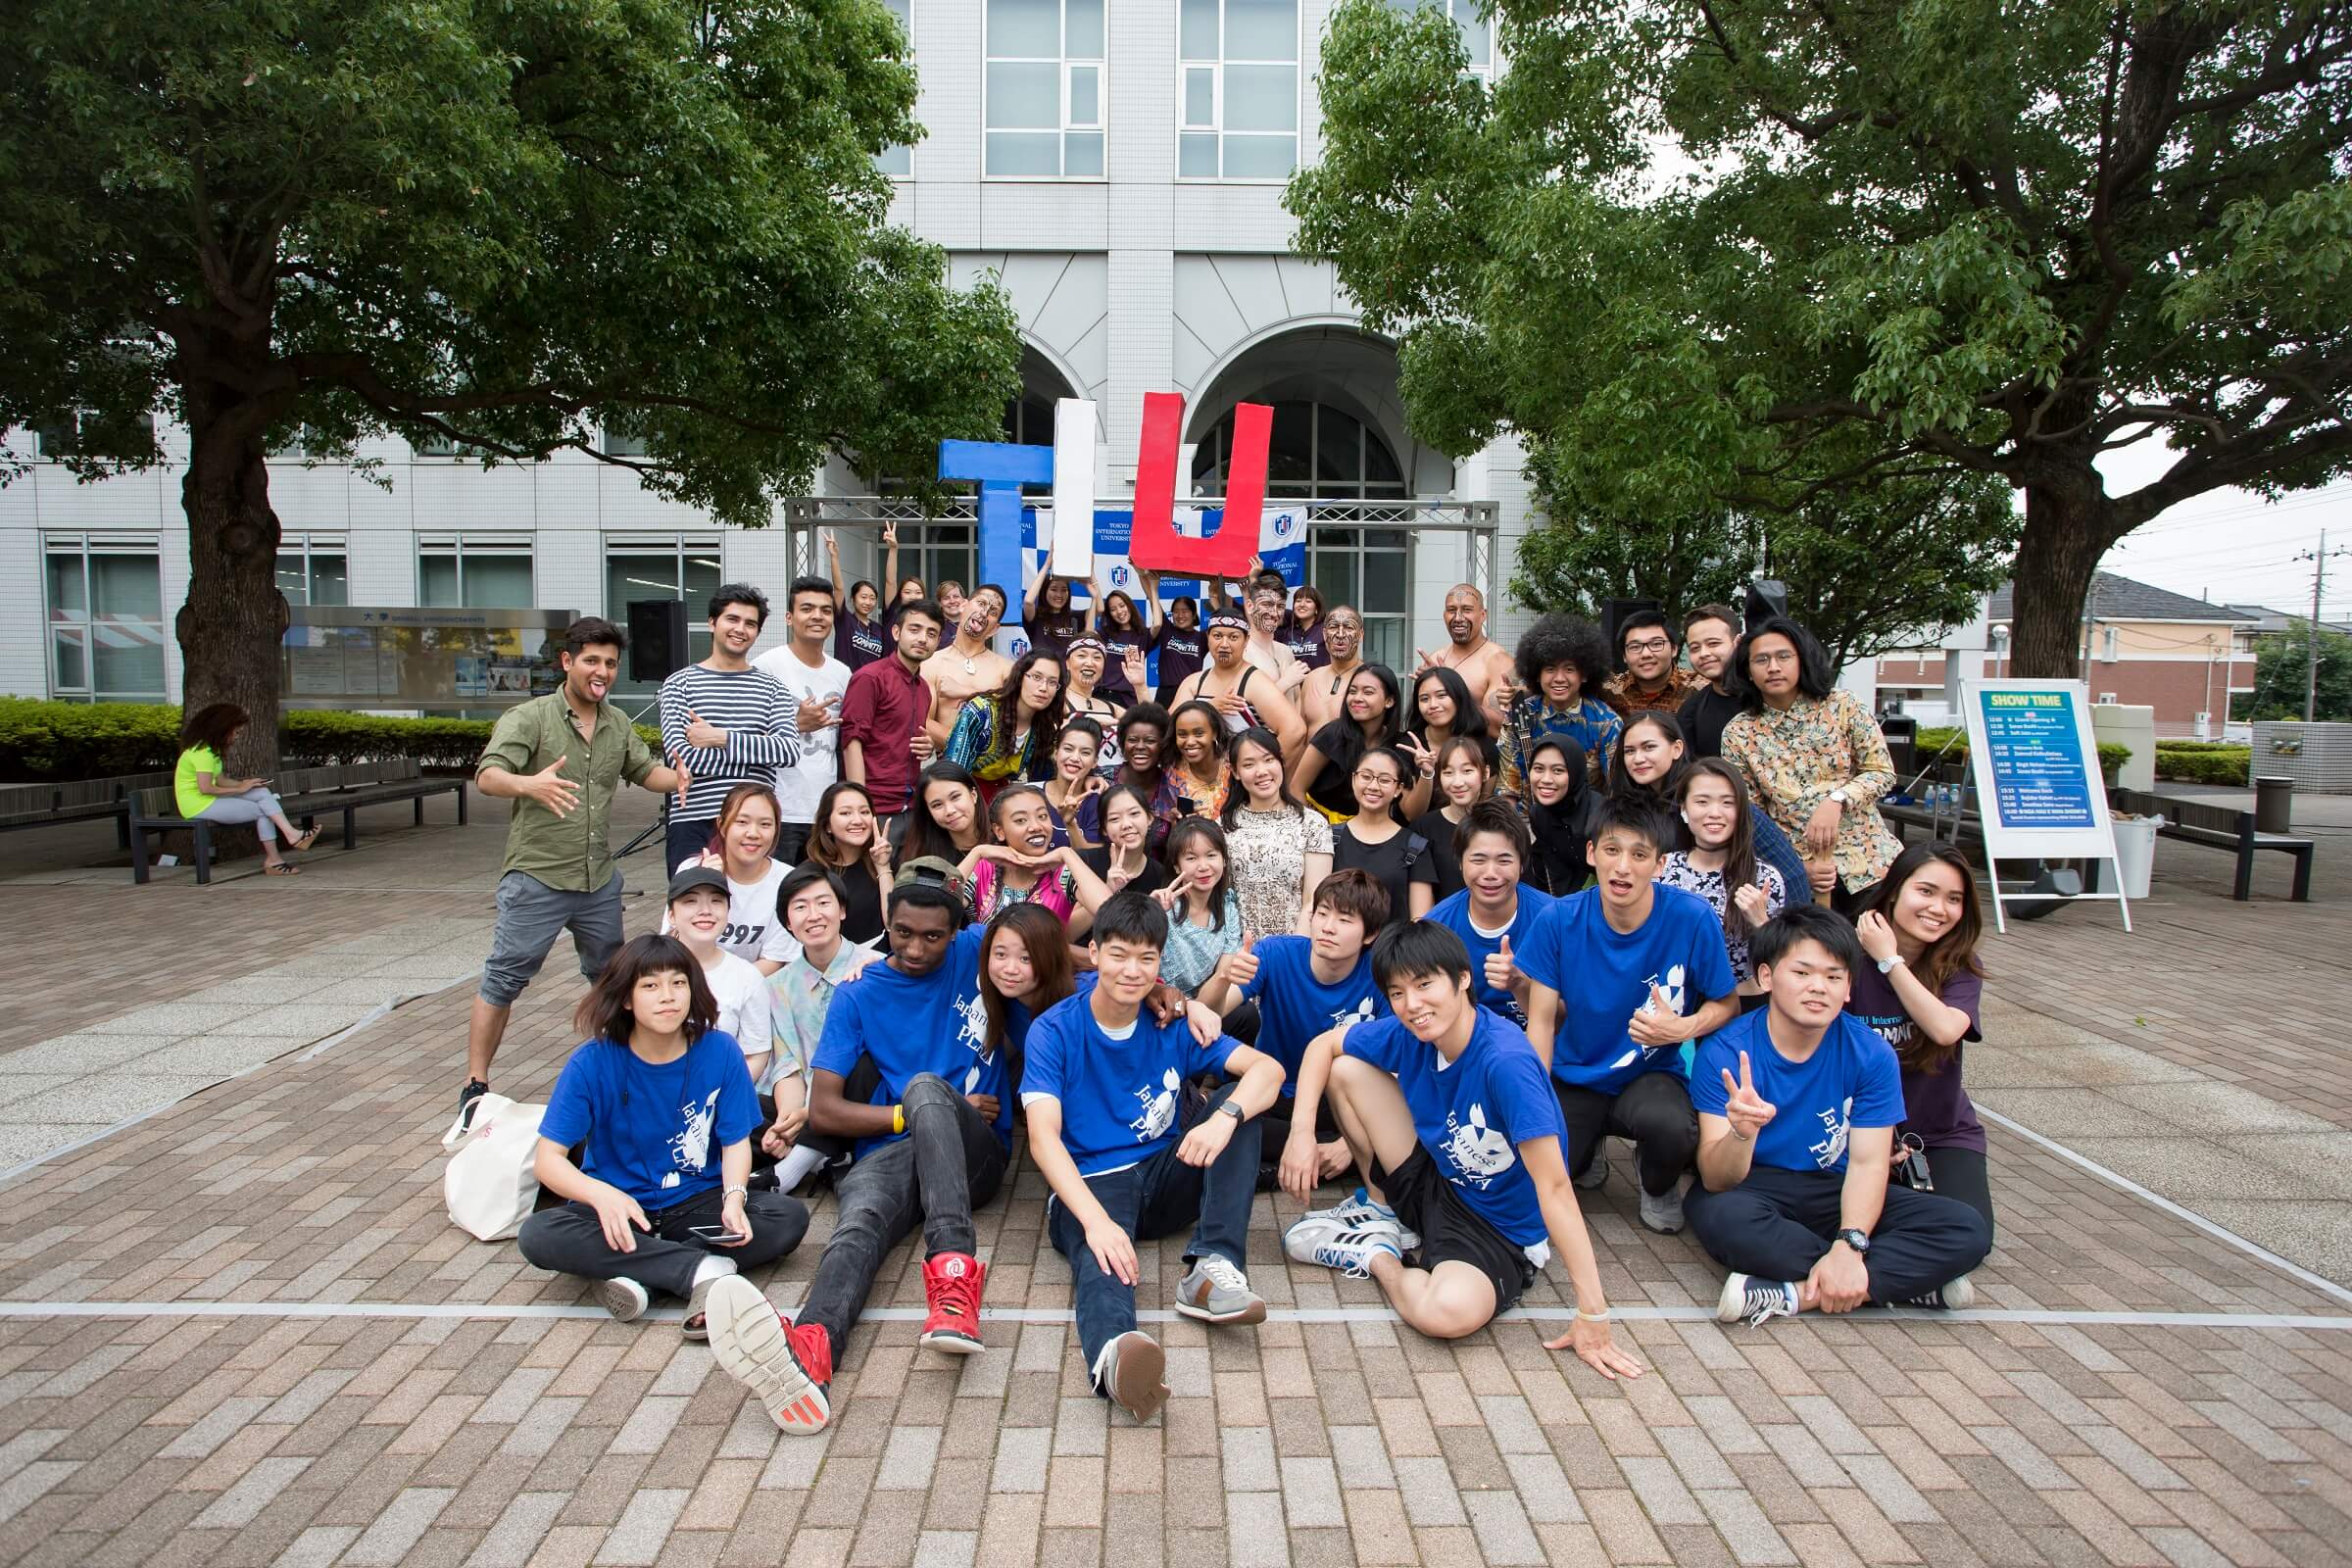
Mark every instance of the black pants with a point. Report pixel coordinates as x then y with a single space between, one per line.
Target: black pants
569 1239
791 838
947 1164
682 841
1653 1110
1961 1173
1776 1224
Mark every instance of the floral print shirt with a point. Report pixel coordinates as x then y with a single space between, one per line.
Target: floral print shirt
1266 852
1792 757
1677 871
1592 723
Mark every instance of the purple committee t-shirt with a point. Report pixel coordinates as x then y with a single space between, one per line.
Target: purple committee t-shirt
1936 1104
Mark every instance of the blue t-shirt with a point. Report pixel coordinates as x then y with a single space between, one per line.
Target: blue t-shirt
1119 1098
1851 1080
912 1026
1294 1007
655 1132
1453 913
1603 975
1472 1116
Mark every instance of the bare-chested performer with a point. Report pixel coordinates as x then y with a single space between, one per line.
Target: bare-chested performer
1325 694
968 668
1484 664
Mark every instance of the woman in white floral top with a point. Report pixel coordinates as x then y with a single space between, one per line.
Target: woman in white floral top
1722 867
1814 758
1277 850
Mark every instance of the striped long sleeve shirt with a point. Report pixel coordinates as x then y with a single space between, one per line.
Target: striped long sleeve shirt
756 713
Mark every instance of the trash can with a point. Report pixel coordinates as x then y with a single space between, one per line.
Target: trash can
1903 744
2273 805
2135 852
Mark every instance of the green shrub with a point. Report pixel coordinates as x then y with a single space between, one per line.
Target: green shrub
2228 767
2200 746
43 742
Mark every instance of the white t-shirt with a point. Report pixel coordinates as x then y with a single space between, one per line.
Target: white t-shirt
755 928
741 991
799 786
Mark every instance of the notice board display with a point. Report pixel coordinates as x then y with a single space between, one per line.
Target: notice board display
2035 765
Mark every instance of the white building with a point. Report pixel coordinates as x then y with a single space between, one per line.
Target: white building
1118 168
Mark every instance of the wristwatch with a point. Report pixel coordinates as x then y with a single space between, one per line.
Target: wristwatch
1838 795
1887 964
1229 1108
1859 1241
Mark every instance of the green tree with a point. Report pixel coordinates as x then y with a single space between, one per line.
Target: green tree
1733 255
2282 670
512 225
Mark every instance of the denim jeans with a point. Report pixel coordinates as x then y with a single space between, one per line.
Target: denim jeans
947 1164
1777 1223
1156 1199
256 806
569 1239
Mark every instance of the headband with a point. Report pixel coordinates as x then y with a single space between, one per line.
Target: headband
1227 619
1087 640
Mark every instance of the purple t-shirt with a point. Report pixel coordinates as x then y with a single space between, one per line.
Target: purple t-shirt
857 643
1936 1104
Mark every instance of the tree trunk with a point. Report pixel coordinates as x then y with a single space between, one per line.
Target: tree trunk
2069 525
230 626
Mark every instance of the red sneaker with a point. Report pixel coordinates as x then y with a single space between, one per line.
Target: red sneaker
786 1366
951 1285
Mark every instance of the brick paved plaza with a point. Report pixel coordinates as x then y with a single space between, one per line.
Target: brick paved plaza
241 1331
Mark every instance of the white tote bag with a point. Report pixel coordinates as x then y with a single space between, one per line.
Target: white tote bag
488 1183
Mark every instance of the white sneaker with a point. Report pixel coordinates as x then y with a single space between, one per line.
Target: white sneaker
1349 1251
623 1298
1356 1212
1954 1296
1744 1297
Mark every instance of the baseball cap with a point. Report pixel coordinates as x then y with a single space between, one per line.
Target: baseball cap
698 876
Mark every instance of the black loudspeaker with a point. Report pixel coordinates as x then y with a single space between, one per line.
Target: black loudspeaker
656 638
1613 610
1766 597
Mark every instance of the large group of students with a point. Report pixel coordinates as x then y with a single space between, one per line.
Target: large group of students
1286 921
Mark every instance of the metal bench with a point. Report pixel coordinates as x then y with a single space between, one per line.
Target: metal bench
2220 827
81 801
307 793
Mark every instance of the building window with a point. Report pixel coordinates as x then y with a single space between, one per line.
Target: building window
936 550
1317 452
1369 568
1044 89
2109 643
620 442
1236 89
106 618
469 572
1477 37
671 569
311 569
898 162
84 432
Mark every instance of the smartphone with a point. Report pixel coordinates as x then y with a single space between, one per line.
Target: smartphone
717 1233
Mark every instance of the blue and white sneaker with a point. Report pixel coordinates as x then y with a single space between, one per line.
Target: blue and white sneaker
1355 1212
1754 1300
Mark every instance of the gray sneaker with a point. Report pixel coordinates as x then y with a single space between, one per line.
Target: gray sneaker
622 1296
1215 1292
1594 1176
1663 1213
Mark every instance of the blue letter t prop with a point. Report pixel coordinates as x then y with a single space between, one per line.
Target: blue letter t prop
1001 468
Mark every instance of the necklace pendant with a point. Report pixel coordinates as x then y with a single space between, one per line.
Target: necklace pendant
970 668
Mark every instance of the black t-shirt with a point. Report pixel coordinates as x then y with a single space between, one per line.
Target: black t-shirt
1341 744
1050 632
1396 865
1181 653
1703 714
857 643
1444 864
861 921
1151 879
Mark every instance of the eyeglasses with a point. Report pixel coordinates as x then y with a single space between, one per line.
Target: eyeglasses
1783 656
1650 644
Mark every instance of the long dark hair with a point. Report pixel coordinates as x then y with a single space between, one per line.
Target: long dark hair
1136 622
1180 837
923 835
1468 717
823 848
1353 740
1739 854
1239 795
1814 677
1480 750
1008 697
1049 948
1668 788
212 725
1170 757
1555 861
605 1012
1952 953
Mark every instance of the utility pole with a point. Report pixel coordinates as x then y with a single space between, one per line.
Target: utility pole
2311 631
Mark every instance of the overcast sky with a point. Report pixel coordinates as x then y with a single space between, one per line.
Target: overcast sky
2235 546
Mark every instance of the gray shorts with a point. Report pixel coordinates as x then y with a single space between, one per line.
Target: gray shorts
532 915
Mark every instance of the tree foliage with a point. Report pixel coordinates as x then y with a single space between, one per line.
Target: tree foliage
514 224
2282 673
1739 257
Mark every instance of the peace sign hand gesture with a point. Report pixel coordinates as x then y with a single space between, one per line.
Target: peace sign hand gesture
1746 1110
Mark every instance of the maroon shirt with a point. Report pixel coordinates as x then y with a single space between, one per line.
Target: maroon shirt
1935 1104
885 704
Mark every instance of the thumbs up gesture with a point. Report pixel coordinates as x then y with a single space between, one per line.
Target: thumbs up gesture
1502 974
701 735
1656 1023
551 789
1240 967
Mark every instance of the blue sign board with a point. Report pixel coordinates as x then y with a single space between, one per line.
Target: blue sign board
2034 745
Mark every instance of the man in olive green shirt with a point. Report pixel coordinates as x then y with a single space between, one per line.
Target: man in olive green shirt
559 759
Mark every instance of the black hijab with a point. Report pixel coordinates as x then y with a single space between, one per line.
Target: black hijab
1555 864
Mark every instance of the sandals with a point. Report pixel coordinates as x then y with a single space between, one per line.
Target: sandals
697 1325
309 837
282 868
